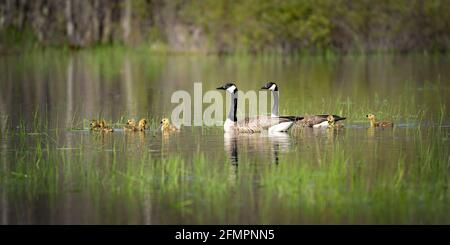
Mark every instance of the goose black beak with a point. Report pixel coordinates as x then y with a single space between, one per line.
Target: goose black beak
267 85
221 88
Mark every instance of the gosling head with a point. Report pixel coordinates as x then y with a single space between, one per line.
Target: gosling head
229 87
371 117
94 124
131 122
330 119
165 122
270 86
142 123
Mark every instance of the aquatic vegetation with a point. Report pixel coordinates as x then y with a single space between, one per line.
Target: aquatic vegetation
330 183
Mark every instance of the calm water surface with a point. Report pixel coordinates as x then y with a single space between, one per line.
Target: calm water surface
54 171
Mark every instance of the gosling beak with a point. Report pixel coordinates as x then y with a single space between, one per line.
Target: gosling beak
160 122
367 115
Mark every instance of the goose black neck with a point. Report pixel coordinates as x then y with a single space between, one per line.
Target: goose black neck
275 103
233 108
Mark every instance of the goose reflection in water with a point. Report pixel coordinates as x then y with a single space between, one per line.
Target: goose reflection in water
256 143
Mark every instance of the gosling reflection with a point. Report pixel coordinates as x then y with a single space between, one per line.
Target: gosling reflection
371 132
135 142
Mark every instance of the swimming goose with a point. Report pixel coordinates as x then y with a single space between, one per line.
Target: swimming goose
315 121
331 123
167 127
382 124
130 126
254 124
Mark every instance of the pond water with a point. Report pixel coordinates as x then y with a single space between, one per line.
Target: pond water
53 170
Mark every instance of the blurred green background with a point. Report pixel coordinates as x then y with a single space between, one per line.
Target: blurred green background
229 26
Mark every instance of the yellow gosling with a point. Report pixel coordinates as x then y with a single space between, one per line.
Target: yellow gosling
94 125
142 125
104 127
130 126
167 127
332 124
381 124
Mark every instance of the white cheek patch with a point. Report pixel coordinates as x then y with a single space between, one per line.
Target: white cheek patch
273 87
231 89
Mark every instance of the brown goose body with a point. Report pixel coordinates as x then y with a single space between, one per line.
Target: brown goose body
261 123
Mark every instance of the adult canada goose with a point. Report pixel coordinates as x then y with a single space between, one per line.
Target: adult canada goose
331 123
130 126
167 127
381 124
314 121
253 124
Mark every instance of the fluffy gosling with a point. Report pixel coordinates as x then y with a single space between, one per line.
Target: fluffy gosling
142 125
381 124
166 126
130 126
332 124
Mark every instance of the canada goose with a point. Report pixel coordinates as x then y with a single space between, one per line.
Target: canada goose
331 123
142 125
254 124
382 124
130 126
314 121
167 127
